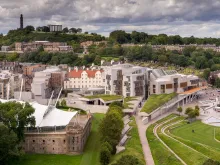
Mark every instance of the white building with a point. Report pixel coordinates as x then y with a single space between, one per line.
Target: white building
126 80
9 83
80 78
162 81
45 81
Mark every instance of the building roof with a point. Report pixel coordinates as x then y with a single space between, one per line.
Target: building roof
78 73
55 117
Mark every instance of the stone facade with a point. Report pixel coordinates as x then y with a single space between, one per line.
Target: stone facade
70 140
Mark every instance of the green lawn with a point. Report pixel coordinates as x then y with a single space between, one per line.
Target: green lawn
155 101
89 157
186 154
133 145
161 155
203 134
105 97
202 141
217 133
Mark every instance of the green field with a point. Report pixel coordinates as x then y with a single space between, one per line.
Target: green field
133 145
105 97
217 133
193 147
155 101
89 157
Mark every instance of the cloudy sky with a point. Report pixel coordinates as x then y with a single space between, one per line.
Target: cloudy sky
200 18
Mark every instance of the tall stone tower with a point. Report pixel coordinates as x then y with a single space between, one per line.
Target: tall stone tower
21 22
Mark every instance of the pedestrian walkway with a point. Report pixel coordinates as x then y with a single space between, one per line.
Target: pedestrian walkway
143 138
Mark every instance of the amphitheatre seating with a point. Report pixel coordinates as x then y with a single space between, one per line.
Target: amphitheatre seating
126 121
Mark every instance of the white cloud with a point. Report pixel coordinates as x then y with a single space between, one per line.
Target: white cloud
183 17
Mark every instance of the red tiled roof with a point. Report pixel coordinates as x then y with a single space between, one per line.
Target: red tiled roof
77 74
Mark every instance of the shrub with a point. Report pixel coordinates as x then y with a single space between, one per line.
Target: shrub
128 160
105 155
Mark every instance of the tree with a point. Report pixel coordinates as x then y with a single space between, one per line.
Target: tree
206 73
29 28
179 109
16 117
8 145
128 160
63 103
110 128
86 32
105 155
39 29
192 113
65 30
45 29
217 82
72 30
79 30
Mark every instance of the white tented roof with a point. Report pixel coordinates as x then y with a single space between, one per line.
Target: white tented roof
55 117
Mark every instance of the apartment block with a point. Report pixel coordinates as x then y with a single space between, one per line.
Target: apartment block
126 80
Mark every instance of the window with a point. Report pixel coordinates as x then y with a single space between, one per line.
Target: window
64 141
43 141
53 140
34 141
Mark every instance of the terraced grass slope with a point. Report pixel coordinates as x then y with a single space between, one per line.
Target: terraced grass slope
161 155
187 146
155 101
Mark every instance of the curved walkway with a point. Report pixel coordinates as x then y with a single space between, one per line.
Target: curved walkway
155 133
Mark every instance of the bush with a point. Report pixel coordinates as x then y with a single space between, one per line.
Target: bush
117 103
128 160
211 162
105 155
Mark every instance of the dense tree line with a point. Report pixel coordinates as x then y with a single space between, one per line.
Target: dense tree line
135 37
110 130
14 117
190 56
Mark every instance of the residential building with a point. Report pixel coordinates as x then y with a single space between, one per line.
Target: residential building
162 81
28 73
55 28
5 48
46 81
9 83
14 67
126 80
84 78
47 46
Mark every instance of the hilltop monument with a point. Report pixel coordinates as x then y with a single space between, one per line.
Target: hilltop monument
21 22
